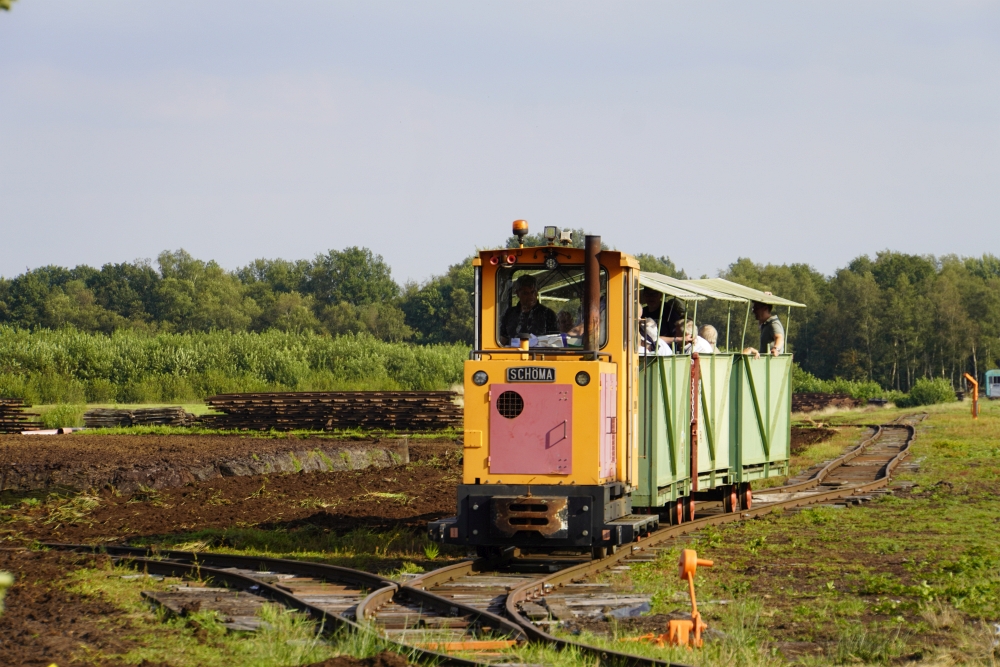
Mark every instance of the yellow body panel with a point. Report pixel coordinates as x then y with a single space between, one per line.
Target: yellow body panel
586 415
621 308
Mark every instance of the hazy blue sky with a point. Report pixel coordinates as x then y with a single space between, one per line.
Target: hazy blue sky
808 132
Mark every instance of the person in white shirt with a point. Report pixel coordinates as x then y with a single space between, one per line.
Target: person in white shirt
709 333
700 345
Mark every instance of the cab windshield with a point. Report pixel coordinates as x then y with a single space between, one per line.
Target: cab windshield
545 306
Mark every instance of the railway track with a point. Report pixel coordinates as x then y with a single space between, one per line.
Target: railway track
480 612
850 478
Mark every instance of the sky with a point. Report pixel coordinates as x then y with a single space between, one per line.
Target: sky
704 131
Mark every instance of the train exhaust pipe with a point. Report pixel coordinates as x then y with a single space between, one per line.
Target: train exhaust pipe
591 294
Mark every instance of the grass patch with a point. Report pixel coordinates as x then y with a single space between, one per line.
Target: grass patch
916 573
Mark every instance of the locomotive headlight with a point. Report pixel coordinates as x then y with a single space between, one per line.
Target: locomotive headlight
479 378
583 378
551 264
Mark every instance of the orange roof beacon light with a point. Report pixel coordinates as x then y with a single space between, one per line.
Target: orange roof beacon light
520 231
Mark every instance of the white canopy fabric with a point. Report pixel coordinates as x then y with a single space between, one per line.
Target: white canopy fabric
747 293
669 286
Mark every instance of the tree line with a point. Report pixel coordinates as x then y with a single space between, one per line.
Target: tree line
890 319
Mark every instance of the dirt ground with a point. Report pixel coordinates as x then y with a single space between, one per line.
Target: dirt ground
43 623
405 495
385 659
124 462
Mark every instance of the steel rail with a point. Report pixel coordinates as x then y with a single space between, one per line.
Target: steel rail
202 564
328 622
537 588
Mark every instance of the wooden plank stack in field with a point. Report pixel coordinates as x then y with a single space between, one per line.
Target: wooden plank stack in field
808 402
325 411
13 418
111 418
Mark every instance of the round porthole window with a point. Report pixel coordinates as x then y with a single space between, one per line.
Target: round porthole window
510 404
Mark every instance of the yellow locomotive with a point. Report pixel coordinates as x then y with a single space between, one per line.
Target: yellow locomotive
554 393
550 418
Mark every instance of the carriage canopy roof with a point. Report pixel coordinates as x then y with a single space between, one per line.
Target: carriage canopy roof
746 293
669 286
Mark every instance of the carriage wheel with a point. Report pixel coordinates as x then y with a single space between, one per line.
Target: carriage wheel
689 508
677 512
746 496
730 499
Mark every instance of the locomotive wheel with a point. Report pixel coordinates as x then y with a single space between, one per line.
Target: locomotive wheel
746 496
730 499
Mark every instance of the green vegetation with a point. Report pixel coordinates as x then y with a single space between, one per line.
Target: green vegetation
873 329
68 366
892 319
914 575
926 391
348 291
805 382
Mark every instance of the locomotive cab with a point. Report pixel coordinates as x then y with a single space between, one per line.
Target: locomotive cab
551 403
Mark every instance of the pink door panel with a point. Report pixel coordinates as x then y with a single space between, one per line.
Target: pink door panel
531 429
609 424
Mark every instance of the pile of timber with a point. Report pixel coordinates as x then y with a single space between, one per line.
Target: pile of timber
407 411
809 402
13 418
109 418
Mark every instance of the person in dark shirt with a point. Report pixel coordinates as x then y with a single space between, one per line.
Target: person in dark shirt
772 334
528 316
665 315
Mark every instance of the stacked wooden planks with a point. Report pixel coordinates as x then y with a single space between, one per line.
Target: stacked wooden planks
13 418
111 418
406 411
809 402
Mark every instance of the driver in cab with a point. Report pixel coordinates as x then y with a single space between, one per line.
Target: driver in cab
528 317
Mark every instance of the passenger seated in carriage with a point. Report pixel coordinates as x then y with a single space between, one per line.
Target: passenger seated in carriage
709 333
694 342
649 342
664 315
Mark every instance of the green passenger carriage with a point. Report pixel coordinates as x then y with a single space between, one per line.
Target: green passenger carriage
742 426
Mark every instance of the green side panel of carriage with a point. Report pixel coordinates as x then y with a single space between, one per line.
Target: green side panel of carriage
664 426
760 416
714 452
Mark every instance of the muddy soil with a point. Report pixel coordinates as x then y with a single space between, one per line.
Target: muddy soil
804 437
125 462
403 495
384 659
43 623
